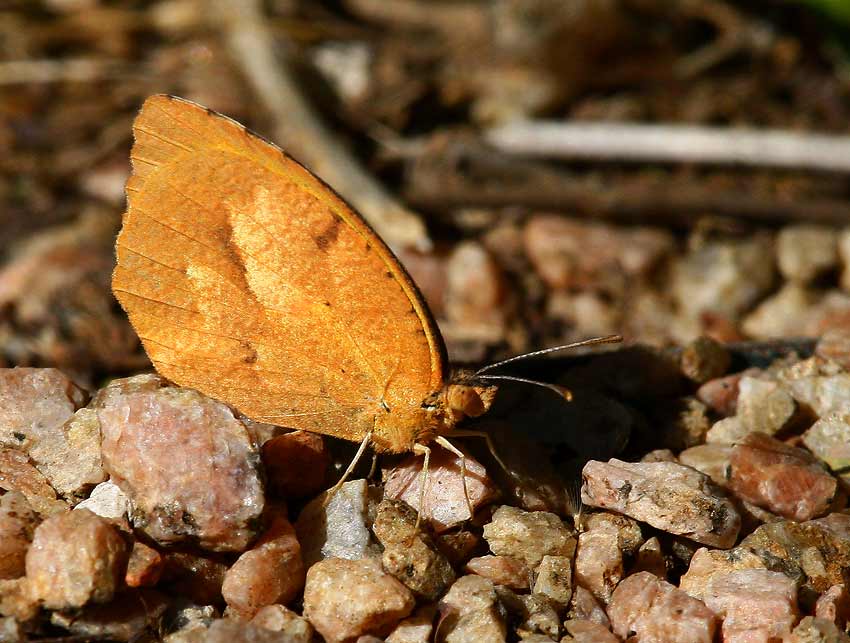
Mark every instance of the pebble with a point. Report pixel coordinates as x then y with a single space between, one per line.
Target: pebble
344 599
270 572
278 618
17 473
107 500
17 599
409 553
706 563
554 580
834 605
817 630
834 345
71 459
471 612
416 628
126 618
145 567
723 277
475 291
599 560
650 558
296 464
197 578
225 630
338 529
710 459
654 611
187 464
721 394
445 504
582 631
805 251
585 607
34 404
458 546
829 440
502 570
75 558
668 496
683 423
825 395
704 359
533 613
726 431
754 604
660 455
785 480
528 535
17 524
764 405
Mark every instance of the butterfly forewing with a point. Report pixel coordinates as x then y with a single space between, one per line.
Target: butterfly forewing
250 280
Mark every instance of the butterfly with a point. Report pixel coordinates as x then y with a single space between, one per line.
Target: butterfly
250 280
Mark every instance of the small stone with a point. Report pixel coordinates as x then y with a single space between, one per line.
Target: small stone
668 496
704 359
817 630
754 604
555 581
17 524
721 394
585 607
346 598
710 459
502 570
834 605
225 630
338 529
660 455
187 464
650 558
296 464
17 600
416 628
17 473
470 612
764 406
787 313
683 423
653 610
829 440
834 345
724 277
707 563
194 577
582 631
71 459
475 291
825 395
270 572
458 546
599 560
107 500
806 251
727 431
528 535
787 481
368 638
445 504
629 535
125 618
11 631
75 558
295 629
145 567
34 404
409 553
535 613
189 617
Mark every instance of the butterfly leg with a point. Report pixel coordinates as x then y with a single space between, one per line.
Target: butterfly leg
490 446
423 483
448 445
360 451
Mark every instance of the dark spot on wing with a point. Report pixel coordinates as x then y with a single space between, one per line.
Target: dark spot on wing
250 355
327 237
388 274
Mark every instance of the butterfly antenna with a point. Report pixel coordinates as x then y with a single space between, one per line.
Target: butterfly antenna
607 339
560 390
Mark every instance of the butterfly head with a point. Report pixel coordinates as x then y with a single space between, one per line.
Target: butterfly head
465 397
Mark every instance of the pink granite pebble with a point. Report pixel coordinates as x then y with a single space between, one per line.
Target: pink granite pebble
654 611
782 479
187 464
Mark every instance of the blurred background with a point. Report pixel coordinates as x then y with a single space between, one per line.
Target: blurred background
547 170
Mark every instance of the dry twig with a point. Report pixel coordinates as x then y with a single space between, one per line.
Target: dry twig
300 131
673 143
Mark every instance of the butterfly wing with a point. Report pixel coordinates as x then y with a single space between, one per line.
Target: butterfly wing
251 281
